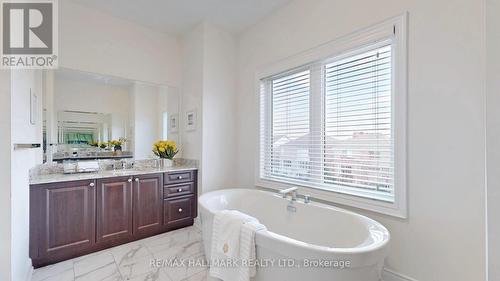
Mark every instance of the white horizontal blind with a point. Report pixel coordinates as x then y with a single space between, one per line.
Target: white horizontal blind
329 125
290 125
358 123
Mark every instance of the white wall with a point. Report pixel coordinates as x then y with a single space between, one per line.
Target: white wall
23 84
192 91
22 160
209 87
88 96
97 42
219 109
5 175
444 236
493 135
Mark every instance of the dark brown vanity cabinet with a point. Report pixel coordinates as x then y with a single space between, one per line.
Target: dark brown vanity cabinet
62 219
74 218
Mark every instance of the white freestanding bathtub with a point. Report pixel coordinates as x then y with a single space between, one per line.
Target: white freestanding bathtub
316 243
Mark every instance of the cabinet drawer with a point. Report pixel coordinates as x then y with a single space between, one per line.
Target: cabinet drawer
178 177
177 210
178 190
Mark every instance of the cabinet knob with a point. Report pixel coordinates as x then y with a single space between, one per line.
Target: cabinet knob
179 177
180 210
129 180
137 179
179 190
92 184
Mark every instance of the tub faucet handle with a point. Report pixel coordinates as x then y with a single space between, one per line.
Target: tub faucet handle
291 190
307 198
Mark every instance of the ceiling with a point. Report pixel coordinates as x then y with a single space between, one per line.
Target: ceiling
178 16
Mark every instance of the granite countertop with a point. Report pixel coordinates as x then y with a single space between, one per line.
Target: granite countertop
60 177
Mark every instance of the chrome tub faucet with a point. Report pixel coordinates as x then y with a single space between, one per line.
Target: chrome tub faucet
292 191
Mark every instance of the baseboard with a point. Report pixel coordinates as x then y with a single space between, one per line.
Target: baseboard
390 275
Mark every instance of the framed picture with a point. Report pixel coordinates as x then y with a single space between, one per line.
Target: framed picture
191 120
174 123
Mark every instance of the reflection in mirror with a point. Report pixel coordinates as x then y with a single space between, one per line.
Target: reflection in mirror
94 116
79 127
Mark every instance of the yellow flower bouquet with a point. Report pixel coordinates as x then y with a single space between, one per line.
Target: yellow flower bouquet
103 145
117 144
165 149
93 143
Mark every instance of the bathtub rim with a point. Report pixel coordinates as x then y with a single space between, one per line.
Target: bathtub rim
372 247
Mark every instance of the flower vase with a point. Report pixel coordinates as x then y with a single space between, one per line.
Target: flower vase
117 150
166 163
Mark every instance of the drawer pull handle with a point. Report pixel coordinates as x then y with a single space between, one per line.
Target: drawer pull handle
129 180
92 184
179 177
180 210
179 190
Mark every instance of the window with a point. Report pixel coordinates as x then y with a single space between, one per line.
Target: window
337 125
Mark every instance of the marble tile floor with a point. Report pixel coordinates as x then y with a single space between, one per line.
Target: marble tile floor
134 261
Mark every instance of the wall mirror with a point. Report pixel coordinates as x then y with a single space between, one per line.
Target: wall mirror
95 116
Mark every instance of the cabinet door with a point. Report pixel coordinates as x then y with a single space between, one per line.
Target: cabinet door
67 213
148 199
114 209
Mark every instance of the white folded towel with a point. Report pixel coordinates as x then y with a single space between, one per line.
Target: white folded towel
247 249
226 232
233 239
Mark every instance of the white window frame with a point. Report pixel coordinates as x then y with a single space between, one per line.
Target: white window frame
395 29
